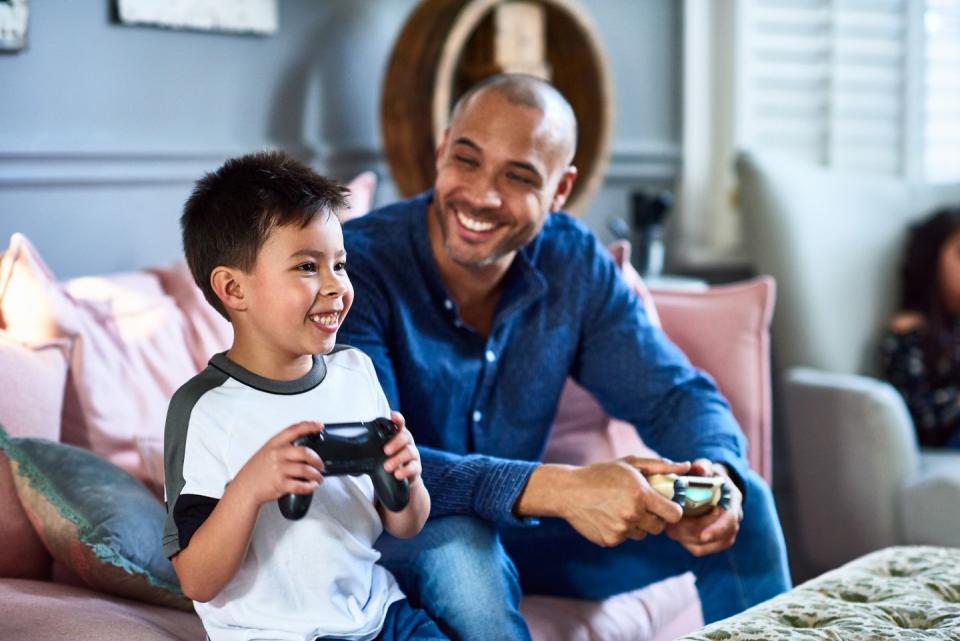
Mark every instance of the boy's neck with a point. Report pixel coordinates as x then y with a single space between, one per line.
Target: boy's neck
268 363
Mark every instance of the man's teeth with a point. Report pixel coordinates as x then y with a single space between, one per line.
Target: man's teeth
326 319
473 224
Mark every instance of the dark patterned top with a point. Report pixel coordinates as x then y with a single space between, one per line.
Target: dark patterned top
935 408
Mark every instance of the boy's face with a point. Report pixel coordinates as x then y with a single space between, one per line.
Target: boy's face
298 292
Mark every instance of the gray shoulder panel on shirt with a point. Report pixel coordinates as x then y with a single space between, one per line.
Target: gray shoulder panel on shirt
175 438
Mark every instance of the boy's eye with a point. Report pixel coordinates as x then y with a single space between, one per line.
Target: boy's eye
470 162
307 267
341 266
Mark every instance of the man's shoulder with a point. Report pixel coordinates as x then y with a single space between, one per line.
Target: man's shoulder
567 239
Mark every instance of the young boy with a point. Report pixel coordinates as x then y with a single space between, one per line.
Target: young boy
264 244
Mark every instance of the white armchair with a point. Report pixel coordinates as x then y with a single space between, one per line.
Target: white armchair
833 242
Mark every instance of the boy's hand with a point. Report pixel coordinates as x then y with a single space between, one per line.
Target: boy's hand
280 467
404 458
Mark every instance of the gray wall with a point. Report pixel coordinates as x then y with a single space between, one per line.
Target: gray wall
105 127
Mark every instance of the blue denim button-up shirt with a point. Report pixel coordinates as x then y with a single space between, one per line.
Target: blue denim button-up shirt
480 408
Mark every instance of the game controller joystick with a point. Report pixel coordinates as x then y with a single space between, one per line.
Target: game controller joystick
352 449
695 494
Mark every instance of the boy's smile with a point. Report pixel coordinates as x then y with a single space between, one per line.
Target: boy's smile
294 299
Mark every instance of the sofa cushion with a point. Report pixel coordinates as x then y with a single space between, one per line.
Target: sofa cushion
32 379
208 332
129 349
22 554
103 525
725 330
45 611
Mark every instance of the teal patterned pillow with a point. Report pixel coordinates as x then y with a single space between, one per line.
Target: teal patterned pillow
95 519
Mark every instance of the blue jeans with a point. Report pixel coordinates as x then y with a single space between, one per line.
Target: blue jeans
405 623
468 575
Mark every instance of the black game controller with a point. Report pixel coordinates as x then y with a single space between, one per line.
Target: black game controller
352 449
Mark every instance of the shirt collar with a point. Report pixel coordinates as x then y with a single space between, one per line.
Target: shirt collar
297 386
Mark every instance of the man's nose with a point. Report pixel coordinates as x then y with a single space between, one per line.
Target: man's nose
483 193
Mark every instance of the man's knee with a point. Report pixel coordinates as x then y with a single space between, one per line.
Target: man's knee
459 572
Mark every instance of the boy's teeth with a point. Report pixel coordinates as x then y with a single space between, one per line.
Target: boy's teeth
325 319
473 224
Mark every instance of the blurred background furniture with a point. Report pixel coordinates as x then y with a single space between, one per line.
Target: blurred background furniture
60 378
856 476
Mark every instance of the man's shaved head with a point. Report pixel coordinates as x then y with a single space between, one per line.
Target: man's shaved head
530 91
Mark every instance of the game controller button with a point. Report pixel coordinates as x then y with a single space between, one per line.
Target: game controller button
679 492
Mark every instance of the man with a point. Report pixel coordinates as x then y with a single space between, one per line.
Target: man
476 302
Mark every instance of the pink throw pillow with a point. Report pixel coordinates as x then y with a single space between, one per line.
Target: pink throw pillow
362 189
129 349
725 330
208 332
32 379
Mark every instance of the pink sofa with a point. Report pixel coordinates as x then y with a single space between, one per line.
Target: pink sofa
92 362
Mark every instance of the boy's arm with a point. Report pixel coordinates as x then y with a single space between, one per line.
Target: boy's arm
213 554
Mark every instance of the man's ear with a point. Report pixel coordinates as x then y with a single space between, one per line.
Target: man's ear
564 187
227 284
441 148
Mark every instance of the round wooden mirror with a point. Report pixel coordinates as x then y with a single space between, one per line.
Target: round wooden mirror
446 46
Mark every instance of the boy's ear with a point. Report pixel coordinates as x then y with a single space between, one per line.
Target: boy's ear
227 284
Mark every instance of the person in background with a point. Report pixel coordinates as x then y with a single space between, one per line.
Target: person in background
920 351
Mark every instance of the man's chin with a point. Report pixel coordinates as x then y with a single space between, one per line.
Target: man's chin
471 261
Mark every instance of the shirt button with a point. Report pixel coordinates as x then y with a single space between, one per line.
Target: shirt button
491 356
448 304
477 415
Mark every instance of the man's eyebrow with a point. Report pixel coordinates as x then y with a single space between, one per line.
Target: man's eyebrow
314 253
469 143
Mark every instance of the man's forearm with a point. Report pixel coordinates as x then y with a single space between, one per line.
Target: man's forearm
544 494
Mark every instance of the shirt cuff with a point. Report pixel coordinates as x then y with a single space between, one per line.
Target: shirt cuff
500 485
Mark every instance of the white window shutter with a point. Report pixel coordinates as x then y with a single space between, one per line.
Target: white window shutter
941 110
825 81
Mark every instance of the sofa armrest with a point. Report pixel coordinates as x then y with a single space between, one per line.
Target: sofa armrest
851 448
928 500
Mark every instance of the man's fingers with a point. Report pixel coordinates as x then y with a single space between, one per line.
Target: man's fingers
648 466
663 508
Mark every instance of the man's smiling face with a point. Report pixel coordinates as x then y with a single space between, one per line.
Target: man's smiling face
499 167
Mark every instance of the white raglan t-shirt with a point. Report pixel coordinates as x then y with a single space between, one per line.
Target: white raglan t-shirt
299 580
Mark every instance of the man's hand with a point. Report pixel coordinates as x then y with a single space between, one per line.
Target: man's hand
279 467
612 501
716 530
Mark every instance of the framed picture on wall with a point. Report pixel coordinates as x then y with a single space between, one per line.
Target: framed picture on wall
238 16
13 24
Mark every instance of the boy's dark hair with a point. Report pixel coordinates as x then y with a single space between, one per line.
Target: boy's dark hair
232 210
